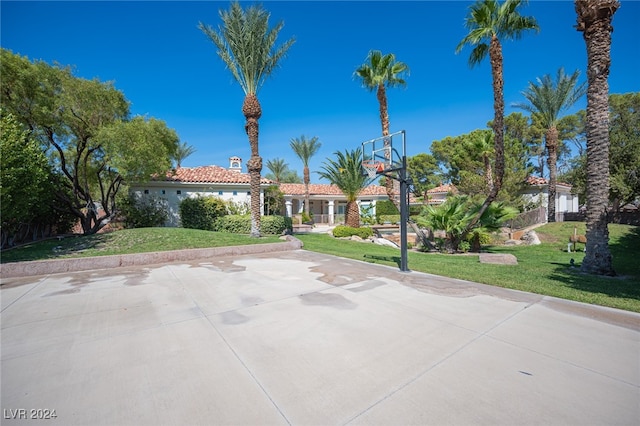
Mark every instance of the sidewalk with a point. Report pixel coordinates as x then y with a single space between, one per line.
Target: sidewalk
296 337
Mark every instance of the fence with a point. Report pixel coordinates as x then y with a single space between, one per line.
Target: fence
530 218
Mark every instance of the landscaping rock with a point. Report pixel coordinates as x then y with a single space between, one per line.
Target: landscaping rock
531 238
498 258
385 242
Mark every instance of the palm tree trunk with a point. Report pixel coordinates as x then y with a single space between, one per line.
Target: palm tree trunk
488 173
552 155
252 112
495 55
594 19
307 179
352 214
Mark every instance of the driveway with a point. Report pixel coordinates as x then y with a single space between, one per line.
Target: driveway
295 337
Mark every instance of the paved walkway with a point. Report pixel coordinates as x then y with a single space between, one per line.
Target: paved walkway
295 337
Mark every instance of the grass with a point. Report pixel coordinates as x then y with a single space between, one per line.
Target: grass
128 241
543 269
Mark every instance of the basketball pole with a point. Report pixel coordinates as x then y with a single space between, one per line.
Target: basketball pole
404 215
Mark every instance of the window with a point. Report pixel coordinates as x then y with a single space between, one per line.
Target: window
235 192
248 192
220 193
164 192
146 191
178 192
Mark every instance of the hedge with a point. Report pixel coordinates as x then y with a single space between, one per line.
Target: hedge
241 224
341 231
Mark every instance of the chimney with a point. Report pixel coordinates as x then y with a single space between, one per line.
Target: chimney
235 164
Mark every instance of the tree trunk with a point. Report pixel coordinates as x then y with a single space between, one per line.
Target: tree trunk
495 55
488 173
252 112
307 179
594 20
352 214
551 139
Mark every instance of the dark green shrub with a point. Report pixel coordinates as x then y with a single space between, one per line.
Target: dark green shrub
275 225
385 207
341 231
241 224
145 212
201 212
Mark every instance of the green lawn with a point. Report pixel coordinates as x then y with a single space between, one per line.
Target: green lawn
129 241
543 269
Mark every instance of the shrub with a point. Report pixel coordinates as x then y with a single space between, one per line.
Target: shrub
241 224
275 225
341 231
142 212
201 212
391 218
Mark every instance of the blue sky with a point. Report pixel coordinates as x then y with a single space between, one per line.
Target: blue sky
168 69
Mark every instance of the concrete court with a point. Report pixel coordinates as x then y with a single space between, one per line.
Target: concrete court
302 338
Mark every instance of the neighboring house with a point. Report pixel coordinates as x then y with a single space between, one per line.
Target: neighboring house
228 184
326 202
537 192
438 195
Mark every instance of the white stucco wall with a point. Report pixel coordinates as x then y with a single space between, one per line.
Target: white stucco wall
174 194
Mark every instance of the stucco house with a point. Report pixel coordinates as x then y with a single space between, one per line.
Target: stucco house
327 203
537 192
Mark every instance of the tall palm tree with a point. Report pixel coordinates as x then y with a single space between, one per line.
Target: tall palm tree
278 168
183 151
248 48
346 173
377 73
305 149
594 21
548 98
488 23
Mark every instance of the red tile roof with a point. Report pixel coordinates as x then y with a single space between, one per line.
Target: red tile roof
536 180
443 189
325 189
209 174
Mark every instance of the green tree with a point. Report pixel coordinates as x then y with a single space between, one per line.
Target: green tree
305 149
25 179
594 19
488 23
183 151
548 99
424 172
248 48
624 151
278 167
345 172
85 127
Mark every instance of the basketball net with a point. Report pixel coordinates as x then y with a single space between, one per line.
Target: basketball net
372 168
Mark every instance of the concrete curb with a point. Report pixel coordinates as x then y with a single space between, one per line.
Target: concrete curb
57 266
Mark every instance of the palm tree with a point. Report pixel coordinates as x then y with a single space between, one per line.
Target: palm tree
247 47
377 73
484 145
346 174
183 151
594 20
489 22
548 99
305 149
278 168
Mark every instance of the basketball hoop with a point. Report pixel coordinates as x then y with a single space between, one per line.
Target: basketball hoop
372 167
